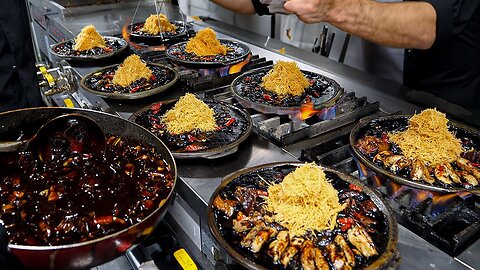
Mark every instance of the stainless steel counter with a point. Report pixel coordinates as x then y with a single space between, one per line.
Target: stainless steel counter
199 178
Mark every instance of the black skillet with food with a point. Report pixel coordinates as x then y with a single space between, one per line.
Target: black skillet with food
284 87
130 80
236 52
301 216
230 126
181 29
112 46
423 151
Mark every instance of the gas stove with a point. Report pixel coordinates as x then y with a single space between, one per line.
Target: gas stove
430 236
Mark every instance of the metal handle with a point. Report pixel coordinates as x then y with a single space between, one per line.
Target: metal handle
13 146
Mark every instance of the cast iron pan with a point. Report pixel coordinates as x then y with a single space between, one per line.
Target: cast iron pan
323 93
182 30
400 122
252 177
237 52
96 81
220 143
65 50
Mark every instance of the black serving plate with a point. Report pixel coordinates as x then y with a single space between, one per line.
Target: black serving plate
221 142
65 50
99 83
323 92
236 52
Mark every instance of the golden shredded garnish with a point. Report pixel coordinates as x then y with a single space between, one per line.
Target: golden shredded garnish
189 113
305 200
152 26
282 50
285 78
205 43
132 69
427 138
88 39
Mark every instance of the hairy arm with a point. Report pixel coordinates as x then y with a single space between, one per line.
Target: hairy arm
239 6
400 24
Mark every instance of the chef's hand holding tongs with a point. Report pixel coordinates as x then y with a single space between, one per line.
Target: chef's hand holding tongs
275 6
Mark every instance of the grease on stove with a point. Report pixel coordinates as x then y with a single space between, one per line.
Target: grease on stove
321 89
231 125
360 212
101 81
66 49
235 52
81 197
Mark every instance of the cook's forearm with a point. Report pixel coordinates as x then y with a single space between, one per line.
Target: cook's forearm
403 24
239 6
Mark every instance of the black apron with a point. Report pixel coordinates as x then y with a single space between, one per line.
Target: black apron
18 80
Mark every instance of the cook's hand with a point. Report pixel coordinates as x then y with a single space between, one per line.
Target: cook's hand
313 11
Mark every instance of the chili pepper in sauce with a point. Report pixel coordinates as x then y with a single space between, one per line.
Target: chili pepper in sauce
307 98
193 147
153 78
346 223
192 138
135 89
155 108
355 187
267 97
230 122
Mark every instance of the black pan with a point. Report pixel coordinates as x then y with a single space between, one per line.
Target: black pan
65 50
166 77
237 52
182 30
239 131
400 122
87 254
388 255
247 90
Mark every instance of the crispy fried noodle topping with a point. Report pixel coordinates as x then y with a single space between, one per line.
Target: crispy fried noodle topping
88 39
189 113
285 78
205 43
304 200
132 69
427 138
152 25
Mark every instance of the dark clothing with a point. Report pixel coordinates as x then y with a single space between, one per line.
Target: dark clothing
18 81
451 68
260 8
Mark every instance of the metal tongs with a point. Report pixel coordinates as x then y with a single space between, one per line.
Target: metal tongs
158 9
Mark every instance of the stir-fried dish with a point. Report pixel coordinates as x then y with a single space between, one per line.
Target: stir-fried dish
132 76
191 124
288 217
285 78
426 150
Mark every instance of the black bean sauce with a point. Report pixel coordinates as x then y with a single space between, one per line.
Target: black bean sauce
81 197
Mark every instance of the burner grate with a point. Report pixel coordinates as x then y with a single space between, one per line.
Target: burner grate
284 131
